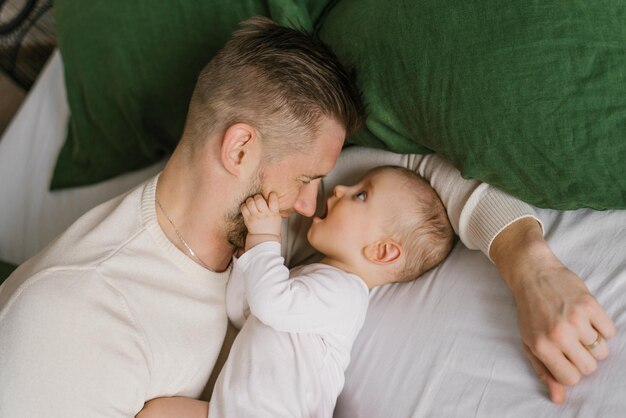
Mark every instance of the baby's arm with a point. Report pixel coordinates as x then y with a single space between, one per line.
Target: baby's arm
322 300
507 230
262 218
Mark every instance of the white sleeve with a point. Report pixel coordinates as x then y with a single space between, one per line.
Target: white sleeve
237 307
70 349
477 211
322 301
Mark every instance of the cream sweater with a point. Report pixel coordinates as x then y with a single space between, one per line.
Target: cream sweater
111 314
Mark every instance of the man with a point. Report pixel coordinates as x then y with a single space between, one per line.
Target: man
128 304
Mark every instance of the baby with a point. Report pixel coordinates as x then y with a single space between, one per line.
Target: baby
290 356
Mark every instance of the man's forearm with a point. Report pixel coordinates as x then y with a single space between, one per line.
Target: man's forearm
559 318
478 212
517 248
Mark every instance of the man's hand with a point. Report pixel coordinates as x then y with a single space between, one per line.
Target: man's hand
562 326
174 407
262 219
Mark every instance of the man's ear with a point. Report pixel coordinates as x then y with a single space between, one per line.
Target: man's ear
383 252
240 149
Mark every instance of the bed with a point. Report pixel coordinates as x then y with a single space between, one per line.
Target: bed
446 345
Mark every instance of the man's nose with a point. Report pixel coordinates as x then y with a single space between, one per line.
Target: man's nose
307 200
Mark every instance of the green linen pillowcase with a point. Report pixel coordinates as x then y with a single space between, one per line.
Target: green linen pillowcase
130 69
527 96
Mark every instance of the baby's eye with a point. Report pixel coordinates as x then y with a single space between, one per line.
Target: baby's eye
361 195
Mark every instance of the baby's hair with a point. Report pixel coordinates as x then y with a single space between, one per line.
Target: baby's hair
424 232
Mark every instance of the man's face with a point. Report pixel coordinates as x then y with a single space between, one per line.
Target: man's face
295 178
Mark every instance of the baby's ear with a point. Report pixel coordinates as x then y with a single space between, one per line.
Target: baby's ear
383 252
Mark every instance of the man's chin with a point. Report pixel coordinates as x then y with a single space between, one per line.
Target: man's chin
236 231
237 238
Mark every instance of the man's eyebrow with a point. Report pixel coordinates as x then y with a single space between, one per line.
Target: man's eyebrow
314 176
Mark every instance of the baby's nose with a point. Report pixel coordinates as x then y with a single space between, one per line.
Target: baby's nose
339 190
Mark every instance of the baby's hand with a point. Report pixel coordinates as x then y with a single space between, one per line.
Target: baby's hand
261 217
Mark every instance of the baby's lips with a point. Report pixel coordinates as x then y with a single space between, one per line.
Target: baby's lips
325 211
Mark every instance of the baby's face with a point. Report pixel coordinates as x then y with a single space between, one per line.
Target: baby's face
356 215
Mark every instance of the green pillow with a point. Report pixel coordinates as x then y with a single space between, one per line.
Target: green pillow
527 96
5 270
130 69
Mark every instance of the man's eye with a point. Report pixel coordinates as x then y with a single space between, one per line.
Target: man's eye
361 195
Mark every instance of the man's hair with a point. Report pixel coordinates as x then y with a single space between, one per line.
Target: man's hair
423 231
281 81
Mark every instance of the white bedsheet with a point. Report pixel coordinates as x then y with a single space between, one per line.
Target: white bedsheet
446 345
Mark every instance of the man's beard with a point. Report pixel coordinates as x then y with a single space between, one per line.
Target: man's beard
234 225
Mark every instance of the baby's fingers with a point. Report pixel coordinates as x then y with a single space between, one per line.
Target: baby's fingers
273 203
244 210
261 204
250 204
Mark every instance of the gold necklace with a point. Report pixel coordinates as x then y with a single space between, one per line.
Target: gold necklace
189 250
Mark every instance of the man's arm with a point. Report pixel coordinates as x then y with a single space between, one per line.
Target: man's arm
477 211
178 407
507 231
69 348
557 314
